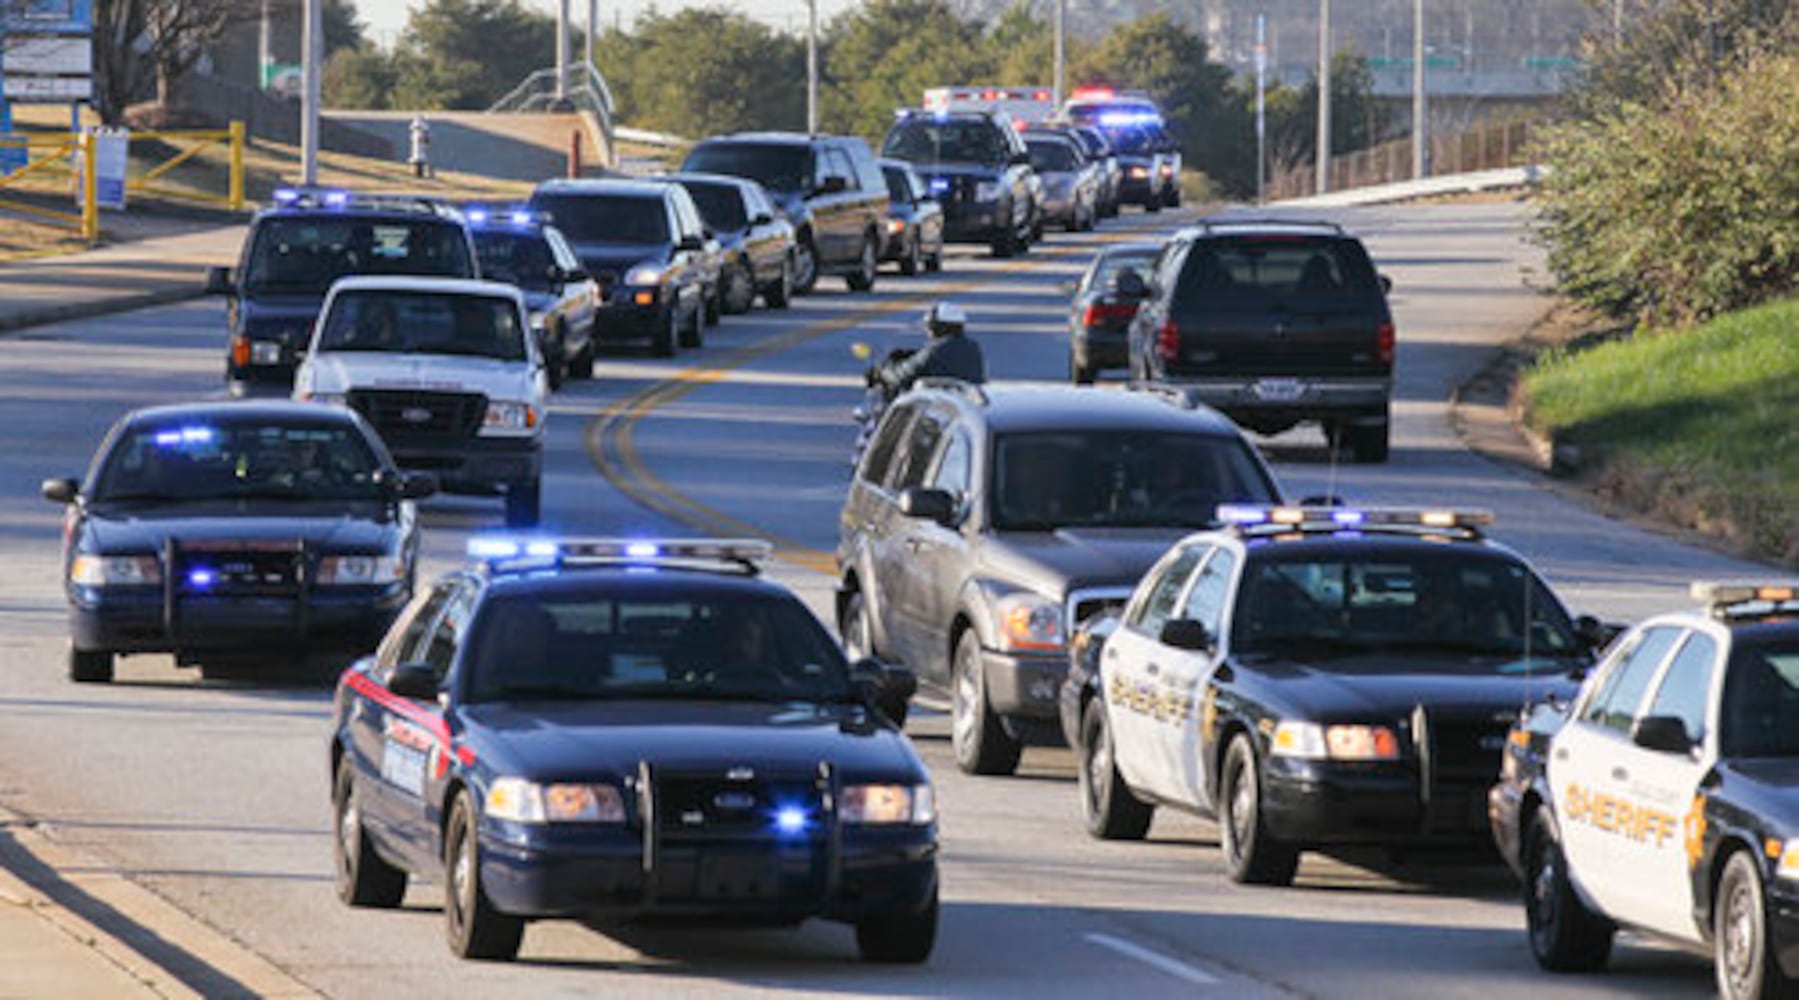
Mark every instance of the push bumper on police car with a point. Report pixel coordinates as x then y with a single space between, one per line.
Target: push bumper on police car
1341 802
181 617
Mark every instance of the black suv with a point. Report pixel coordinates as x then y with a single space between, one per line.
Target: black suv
977 167
304 241
646 246
1275 323
828 186
985 524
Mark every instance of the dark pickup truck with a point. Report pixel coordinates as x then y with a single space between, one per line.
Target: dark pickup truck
1275 323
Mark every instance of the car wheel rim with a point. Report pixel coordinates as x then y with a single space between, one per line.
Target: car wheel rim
967 701
868 261
1739 938
347 834
1099 768
1542 890
461 893
804 272
1243 798
855 639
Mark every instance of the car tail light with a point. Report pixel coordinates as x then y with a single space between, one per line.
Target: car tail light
1099 313
1168 340
1387 337
240 351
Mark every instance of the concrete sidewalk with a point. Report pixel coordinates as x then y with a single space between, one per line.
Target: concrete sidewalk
113 279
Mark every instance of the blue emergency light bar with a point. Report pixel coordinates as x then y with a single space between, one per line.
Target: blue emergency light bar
1724 599
1262 518
503 553
486 215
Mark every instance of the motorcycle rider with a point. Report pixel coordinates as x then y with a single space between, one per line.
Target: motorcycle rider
950 353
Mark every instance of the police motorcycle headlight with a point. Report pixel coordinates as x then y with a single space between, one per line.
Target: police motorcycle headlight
987 191
645 274
364 570
1311 741
522 801
114 571
887 805
505 415
1029 622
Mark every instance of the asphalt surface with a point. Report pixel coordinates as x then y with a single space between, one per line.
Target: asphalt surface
215 794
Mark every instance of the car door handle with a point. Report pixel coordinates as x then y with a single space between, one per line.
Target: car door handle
1561 753
1154 669
1620 774
1111 654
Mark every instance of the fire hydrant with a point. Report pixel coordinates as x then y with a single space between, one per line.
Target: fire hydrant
420 157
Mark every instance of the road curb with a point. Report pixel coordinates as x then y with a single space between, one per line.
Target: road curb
101 307
170 952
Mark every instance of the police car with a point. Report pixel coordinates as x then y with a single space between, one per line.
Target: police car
449 375
1665 797
1316 677
607 730
522 248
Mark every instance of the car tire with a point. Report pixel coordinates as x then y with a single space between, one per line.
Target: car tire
779 295
863 278
853 626
1743 954
694 337
977 735
524 504
1110 810
363 878
1564 935
1369 444
912 261
1078 373
1251 856
1152 204
582 366
472 926
662 343
805 266
90 666
899 939
555 361
738 292
934 262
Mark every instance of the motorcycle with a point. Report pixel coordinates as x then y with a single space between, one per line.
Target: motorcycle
875 399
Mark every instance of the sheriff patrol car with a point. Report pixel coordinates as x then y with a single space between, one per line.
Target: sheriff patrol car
447 373
1665 796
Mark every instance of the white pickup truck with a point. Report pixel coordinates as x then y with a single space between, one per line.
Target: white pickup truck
447 372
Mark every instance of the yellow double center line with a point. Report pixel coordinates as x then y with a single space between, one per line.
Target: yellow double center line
610 438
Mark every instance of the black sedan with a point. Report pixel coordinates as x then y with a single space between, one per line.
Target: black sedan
1105 301
755 240
222 532
521 248
914 221
609 730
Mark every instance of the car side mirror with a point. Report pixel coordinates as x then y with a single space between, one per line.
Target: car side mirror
1595 633
691 244
1386 285
885 688
1185 633
762 219
834 184
928 504
417 681
61 490
1020 159
417 485
1662 733
218 281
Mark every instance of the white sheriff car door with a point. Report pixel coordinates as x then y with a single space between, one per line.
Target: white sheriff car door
1188 674
1131 673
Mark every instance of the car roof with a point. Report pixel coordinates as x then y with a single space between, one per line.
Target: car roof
603 186
626 578
1247 226
699 177
421 283
1024 406
771 138
242 411
1367 544
1133 247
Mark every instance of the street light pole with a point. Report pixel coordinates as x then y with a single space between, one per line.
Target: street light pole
1261 108
1323 155
1420 105
1061 53
312 41
561 54
812 67
593 22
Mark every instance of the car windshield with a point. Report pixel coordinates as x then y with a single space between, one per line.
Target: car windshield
1760 714
238 460
1062 479
778 166
721 206
1133 141
516 258
653 642
405 322
927 140
899 186
303 255
606 218
1052 157
1109 267
1257 273
1466 602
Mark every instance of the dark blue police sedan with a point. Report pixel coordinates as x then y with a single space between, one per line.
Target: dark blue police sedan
609 730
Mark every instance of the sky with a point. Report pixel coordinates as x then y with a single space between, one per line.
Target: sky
387 18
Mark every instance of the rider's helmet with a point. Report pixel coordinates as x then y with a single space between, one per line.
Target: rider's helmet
945 319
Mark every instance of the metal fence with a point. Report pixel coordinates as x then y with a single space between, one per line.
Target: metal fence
1502 144
63 164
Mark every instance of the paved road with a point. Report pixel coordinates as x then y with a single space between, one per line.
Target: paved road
215 794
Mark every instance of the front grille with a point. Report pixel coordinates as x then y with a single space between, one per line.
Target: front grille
714 806
1464 752
239 570
718 839
411 413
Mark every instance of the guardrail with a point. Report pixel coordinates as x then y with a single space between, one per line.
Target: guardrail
67 162
588 92
1505 144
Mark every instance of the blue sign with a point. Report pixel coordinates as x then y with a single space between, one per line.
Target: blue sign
50 17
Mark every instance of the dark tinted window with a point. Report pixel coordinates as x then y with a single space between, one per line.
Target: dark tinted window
886 440
899 184
602 218
1062 479
406 645
1159 601
239 460
304 255
1205 602
925 140
517 258
1616 703
1458 601
920 447
1108 267
660 642
1052 157
1687 685
778 166
1257 272
424 323
1760 715
720 205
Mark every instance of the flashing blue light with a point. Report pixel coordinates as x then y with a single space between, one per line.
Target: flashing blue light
1348 516
1117 119
1229 513
286 196
478 216
184 435
790 821
643 550
521 218
337 199
542 549
201 578
492 548
939 185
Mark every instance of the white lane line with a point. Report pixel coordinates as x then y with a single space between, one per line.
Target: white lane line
1177 969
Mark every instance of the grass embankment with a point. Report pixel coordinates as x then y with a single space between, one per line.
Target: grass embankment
1698 425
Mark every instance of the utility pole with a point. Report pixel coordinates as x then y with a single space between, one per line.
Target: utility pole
593 27
263 58
1261 108
1324 96
1617 24
1420 104
1061 80
312 44
561 54
812 67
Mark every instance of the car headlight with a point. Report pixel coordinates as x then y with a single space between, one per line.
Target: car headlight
325 398
524 801
1311 741
1027 621
114 571
645 274
1138 173
508 416
884 805
896 226
538 322
986 190
367 570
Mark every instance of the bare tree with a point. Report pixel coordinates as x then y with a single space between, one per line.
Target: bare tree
140 46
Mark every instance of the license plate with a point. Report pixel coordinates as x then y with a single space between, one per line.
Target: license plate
265 353
1278 390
